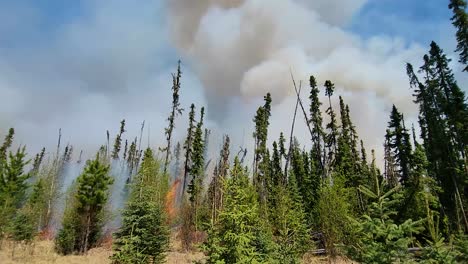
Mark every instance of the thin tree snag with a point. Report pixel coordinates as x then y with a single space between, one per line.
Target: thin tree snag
302 106
292 133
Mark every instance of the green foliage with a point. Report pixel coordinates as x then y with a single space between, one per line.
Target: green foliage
334 212
144 235
443 119
331 137
380 239
176 110
84 215
399 144
13 183
23 226
67 239
198 162
118 141
239 236
438 252
289 228
460 21
261 153
13 180
461 245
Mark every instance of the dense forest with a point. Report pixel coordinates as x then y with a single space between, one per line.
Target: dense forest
327 196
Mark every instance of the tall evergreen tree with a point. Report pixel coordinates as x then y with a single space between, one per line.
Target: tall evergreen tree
261 155
197 170
188 146
144 235
316 122
442 134
239 236
176 110
399 145
460 21
118 141
198 162
332 127
84 226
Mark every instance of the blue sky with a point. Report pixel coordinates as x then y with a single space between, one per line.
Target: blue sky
414 20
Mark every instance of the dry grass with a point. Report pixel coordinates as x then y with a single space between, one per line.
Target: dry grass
42 252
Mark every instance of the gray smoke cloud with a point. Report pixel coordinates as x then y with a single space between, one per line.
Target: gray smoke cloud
113 61
245 48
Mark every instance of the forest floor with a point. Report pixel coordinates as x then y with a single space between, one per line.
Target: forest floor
42 252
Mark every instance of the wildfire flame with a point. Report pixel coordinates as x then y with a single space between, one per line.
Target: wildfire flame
171 209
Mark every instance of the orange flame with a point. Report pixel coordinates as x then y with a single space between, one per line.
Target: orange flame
171 209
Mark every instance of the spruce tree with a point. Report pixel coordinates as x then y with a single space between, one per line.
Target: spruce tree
85 213
176 110
215 192
399 145
332 127
144 235
442 129
316 122
118 141
197 170
261 155
188 146
380 239
239 236
460 21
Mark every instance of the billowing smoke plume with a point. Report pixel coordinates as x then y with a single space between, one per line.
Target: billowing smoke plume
248 47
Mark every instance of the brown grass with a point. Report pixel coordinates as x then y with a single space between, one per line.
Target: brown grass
42 252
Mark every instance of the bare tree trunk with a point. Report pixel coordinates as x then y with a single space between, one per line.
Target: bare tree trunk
88 227
288 157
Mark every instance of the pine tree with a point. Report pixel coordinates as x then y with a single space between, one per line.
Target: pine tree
13 180
176 110
144 235
38 161
460 21
381 240
331 137
441 130
288 222
316 122
399 145
82 229
215 192
188 146
118 141
177 153
239 237
261 155
344 161
334 212
197 170
198 163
